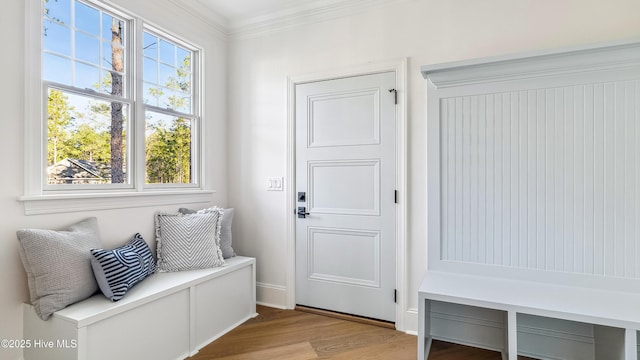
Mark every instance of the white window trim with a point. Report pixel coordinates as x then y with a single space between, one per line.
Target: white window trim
38 201
198 110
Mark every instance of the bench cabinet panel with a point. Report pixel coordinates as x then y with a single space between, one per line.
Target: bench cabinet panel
220 303
158 330
167 316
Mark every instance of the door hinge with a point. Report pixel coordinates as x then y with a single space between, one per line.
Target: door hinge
395 196
395 95
395 296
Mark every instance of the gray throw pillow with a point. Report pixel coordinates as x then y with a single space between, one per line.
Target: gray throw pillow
58 265
118 270
186 242
226 237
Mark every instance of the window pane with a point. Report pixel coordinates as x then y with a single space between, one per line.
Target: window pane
56 38
87 77
106 26
79 135
152 94
87 48
116 58
91 50
184 75
168 149
179 101
184 59
167 83
185 104
58 10
107 53
87 19
167 99
117 26
167 52
150 70
106 82
56 69
175 100
150 46
166 74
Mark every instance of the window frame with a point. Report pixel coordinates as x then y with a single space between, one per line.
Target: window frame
40 198
62 188
196 101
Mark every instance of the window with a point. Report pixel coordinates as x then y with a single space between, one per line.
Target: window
169 115
111 82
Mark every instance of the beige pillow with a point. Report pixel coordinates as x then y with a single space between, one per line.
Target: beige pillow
226 239
186 242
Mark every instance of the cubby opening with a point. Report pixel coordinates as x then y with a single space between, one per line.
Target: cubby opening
551 338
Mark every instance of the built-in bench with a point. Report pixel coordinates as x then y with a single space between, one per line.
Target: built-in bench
167 316
616 314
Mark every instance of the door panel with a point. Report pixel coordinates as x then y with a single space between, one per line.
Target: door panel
357 261
347 118
345 162
345 187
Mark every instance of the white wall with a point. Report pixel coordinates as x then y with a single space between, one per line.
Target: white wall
116 225
424 31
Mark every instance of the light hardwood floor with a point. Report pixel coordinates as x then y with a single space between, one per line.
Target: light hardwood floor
296 335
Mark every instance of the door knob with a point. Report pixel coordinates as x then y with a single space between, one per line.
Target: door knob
302 212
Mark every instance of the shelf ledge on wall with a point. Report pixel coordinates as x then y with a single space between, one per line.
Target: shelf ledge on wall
60 203
534 64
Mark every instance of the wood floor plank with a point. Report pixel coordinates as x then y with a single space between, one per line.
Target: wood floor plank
397 350
294 335
300 351
358 338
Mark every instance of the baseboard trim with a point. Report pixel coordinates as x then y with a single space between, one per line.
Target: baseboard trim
271 295
411 321
275 306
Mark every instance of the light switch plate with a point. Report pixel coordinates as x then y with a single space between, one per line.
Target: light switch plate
275 184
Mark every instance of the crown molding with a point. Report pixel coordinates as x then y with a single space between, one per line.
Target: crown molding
206 14
305 13
301 15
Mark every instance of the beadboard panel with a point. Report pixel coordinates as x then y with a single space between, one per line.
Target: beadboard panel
545 179
548 338
468 325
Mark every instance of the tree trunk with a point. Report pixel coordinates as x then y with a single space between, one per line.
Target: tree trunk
117 166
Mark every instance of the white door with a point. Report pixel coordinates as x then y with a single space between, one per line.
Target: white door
345 181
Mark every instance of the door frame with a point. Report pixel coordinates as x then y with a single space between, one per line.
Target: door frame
399 66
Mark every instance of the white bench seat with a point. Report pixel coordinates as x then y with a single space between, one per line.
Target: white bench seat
166 316
587 305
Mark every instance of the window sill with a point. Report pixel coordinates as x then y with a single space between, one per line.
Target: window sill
61 203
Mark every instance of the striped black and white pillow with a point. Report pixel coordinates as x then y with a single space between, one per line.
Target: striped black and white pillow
188 241
118 270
